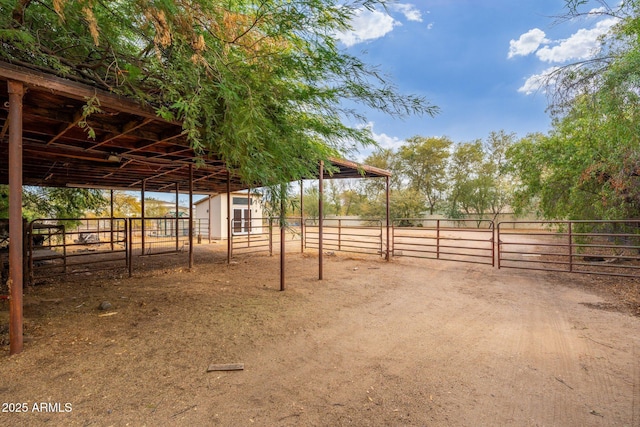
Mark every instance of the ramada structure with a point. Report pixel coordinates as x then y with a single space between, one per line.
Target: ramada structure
45 141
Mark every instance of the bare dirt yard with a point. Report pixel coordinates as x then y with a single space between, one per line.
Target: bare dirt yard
402 343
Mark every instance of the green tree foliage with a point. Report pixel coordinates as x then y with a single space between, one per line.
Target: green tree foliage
262 83
42 202
423 161
479 179
589 165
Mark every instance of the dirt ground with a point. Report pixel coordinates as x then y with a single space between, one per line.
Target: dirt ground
405 343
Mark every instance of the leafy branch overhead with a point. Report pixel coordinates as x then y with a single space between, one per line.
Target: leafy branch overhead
261 83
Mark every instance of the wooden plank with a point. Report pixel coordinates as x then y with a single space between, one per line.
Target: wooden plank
226 367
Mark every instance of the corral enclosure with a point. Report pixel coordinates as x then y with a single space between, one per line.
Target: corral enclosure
408 342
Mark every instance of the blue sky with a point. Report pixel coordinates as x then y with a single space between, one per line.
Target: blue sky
477 60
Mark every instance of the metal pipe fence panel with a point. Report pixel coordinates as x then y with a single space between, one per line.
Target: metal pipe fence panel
345 235
462 240
589 247
262 234
161 235
57 247
252 235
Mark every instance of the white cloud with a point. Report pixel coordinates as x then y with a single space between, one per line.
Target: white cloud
528 43
430 26
367 25
583 44
537 82
408 10
384 140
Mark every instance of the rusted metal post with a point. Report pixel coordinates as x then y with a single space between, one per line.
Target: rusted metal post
498 244
282 236
144 184
570 248
437 239
320 219
177 216
301 216
190 215
111 222
16 267
248 220
388 213
270 236
128 225
210 222
229 217
64 248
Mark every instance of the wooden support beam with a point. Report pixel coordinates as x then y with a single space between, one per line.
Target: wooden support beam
77 117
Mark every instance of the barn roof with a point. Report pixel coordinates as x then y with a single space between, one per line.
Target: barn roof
130 142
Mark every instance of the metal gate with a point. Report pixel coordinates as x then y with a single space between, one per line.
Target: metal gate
345 235
72 246
589 247
444 239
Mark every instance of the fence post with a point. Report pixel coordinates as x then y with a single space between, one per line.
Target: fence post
339 234
437 239
497 243
128 226
570 248
270 236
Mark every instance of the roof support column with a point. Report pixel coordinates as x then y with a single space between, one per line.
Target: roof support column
209 217
320 217
301 216
388 220
283 193
111 220
177 223
190 215
144 185
228 217
248 219
16 268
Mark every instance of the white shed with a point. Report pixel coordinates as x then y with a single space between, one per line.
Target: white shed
246 214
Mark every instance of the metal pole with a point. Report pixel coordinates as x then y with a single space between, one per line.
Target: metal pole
570 248
111 222
190 216
177 216
282 237
388 257
144 184
248 221
301 216
228 217
437 239
129 233
320 220
209 218
16 268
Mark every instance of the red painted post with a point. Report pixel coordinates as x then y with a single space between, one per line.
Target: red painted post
320 219
570 248
388 218
190 216
16 268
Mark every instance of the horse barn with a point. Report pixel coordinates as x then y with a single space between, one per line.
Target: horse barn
42 144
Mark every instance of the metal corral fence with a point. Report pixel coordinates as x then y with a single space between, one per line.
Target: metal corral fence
160 235
71 246
346 235
263 234
590 247
465 240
